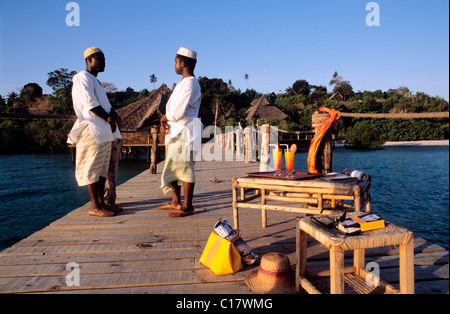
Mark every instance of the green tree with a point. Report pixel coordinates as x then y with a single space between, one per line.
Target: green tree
290 105
50 135
30 92
12 136
144 93
60 79
60 103
305 116
302 87
368 105
318 93
283 124
215 91
364 135
3 105
341 86
404 91
61 100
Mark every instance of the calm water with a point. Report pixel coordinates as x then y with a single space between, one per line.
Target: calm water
35 190
410 187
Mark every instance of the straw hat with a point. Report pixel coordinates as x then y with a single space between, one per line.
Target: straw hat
273 276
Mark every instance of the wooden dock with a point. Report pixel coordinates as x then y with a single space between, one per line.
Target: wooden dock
142 250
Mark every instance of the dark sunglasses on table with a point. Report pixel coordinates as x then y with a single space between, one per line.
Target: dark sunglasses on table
332 224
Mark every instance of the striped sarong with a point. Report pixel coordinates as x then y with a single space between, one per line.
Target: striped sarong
92 160
179 164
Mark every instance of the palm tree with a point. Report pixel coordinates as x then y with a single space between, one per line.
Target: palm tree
340 86
12 97
336 80
246 78
153 80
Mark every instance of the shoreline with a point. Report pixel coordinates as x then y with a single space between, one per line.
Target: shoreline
418 143
409 143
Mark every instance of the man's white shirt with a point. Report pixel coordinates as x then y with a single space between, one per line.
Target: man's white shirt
88 93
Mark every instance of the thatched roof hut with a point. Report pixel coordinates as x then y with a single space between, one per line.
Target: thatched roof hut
145 112
263 109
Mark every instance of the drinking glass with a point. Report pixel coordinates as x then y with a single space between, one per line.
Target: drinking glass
289 158
277 161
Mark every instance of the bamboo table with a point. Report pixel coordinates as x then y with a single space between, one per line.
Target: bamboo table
308 196
356 277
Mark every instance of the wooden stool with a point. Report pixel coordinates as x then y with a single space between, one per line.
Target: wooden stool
338 243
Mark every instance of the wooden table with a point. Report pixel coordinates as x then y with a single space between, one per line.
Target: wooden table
355 277
312 196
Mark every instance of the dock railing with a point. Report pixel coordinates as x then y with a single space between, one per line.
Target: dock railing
249 144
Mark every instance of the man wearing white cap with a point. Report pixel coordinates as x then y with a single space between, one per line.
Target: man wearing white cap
182 128
93 132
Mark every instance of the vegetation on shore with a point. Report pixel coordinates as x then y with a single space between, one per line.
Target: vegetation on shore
298 101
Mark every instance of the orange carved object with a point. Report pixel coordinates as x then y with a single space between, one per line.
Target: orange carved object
334 115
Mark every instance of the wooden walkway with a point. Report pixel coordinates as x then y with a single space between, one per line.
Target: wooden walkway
141 250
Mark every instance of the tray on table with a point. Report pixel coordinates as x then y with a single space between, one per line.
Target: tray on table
284 175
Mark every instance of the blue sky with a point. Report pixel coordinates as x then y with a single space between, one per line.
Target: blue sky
275 42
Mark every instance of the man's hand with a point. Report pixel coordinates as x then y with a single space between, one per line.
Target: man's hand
110 118
112 123
164 126
116 117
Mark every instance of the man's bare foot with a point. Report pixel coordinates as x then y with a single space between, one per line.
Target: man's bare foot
169 206
183 212
176 206
101 213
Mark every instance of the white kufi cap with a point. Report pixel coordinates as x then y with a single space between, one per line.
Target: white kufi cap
187 53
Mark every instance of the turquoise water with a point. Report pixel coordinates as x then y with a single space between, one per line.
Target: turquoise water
410 187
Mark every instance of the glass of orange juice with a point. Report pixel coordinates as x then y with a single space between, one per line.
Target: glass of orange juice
277 155
289 158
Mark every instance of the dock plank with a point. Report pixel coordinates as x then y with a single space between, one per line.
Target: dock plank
142 250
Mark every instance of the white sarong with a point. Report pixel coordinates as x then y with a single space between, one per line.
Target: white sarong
92 160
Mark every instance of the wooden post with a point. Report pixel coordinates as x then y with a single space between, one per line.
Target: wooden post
336 270
406 254
234 186
215 117
263 211
154 155
264 136
257 135
246 146
324 159
302 244
359 260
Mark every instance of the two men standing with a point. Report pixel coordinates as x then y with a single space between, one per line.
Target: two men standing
96 130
